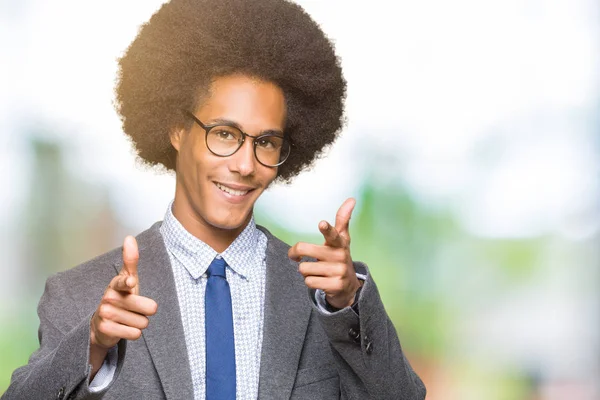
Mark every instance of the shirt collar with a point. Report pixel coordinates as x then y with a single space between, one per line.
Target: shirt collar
195 255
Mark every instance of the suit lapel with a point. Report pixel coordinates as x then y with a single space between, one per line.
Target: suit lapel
287 312
164 335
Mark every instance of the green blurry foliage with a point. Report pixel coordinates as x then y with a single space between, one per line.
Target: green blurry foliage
17 343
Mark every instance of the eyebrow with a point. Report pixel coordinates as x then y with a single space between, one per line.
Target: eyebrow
221 121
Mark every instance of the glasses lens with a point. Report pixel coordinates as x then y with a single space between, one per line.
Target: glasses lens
224 140
271 150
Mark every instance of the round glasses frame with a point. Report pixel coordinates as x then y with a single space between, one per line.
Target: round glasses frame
207 128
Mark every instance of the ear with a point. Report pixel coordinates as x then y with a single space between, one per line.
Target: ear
176 136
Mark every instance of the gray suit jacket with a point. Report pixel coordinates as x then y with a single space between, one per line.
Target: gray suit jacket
305 354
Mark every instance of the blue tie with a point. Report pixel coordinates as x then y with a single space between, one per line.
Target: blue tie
220 348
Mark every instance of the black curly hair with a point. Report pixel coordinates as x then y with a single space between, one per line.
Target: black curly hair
187 43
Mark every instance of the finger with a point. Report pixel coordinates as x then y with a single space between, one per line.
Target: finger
124 317
123 283
132 302
131 256
113 329
320 252
331 235
139 304
295 253
327 284
342 218
322 269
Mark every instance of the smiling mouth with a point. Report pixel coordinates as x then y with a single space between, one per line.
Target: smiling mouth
231 191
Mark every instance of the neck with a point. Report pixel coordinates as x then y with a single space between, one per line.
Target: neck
217 238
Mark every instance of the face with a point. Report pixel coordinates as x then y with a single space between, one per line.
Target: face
218 193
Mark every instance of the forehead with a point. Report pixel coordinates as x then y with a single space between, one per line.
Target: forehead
252 103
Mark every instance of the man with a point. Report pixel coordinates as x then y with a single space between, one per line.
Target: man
232 96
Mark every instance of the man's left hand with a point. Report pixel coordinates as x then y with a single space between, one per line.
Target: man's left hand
333 272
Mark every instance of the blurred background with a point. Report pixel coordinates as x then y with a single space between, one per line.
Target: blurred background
472 146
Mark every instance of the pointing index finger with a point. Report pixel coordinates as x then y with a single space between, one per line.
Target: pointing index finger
130 256
342 218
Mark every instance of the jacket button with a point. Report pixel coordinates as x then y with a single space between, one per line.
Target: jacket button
354 334
61 393
369 347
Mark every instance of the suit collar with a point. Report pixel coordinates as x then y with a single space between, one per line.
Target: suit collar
196 256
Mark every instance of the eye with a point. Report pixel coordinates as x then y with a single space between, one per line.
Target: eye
269 142
225 133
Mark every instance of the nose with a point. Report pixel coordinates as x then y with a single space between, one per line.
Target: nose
244 161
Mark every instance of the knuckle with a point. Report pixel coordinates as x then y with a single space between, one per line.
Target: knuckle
340 255
339 269
103 328
303 268
338 284
300 247
105 311
308 281
116 281
129 259
136 334
111 296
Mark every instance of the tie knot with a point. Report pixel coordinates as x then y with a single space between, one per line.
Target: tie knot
217 267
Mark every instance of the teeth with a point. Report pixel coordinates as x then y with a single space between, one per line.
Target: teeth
232 191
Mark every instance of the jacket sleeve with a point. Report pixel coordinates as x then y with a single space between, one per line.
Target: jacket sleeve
60 367
367 350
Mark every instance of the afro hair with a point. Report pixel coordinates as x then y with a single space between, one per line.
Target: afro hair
187 43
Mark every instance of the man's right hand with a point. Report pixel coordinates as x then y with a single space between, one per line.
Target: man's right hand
122 313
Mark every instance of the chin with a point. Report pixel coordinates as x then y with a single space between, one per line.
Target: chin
229 222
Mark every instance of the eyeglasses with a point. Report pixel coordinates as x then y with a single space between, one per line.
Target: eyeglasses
223 140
